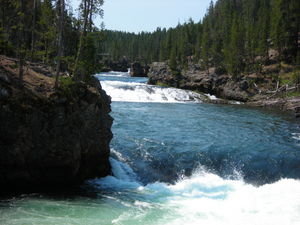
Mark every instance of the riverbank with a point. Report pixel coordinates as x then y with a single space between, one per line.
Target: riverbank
260 90
51 138
171 153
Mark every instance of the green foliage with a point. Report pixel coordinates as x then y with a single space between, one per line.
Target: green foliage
88 63
234 35
66 82
161 84
235 51
205 54
293 94
173 60
66 86
291 78
296 77
173 63
285 28
5 46
30 29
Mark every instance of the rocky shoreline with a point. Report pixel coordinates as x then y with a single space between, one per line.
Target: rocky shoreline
51 139
249 89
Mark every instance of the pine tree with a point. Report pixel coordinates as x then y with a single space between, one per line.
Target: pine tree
61 9
20 6
89 7
33 28
235 51
173 60
205 49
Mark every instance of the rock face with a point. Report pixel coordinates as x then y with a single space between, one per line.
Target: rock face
291 104
203 81
54 141
223 86
119 66
137 70
160 72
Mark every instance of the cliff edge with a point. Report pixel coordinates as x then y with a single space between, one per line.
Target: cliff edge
260 90
51 138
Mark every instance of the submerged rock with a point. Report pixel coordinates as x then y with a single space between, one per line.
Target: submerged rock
53 141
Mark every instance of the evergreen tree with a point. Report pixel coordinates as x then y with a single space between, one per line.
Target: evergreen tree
173 60
61 9
205 49
235 51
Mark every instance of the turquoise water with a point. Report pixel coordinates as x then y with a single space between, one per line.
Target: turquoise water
176 160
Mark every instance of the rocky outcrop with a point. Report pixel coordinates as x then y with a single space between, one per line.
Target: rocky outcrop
160 72
52 141
225 87
137 70
202 81
119 66
291 104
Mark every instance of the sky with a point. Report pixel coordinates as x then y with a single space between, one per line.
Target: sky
147 15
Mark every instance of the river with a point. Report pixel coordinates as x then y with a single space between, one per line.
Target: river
176 160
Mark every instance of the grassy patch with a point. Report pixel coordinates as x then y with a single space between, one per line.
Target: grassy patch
293 94
289 94
161 84
65 86
66 82
290 78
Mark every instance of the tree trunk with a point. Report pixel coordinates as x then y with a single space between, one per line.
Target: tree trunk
91 16
21 70
86 12
33 28
60 39
21 42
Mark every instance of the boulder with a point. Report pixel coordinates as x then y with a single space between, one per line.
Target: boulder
137 70
160 72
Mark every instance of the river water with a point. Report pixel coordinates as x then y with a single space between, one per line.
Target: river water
176 160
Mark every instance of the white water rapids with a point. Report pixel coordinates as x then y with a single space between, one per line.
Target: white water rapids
151 141
204 198
137 92
125 91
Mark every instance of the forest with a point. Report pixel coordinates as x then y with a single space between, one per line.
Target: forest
235 36
46 31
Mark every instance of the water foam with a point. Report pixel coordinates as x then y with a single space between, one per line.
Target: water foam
114 74
139 92
296 136
205 198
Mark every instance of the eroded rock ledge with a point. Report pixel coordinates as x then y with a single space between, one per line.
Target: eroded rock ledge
52 141
224 87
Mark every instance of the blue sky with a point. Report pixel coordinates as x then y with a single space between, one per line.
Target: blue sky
147 15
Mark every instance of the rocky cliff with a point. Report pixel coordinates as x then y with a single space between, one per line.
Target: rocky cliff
52 140
137 70
119 66
251 89
195 79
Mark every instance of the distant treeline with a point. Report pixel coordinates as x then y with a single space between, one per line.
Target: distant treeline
235 36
